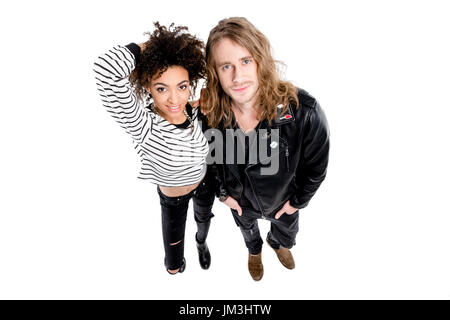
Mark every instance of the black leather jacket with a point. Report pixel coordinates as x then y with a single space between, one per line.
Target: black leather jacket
303 158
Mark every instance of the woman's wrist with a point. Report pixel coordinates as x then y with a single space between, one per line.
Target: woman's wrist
135 50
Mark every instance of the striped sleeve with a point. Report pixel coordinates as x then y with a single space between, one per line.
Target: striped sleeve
112 70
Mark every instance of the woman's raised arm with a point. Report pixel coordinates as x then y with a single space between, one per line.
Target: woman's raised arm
112 70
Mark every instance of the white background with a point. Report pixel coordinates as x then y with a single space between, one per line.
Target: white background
76 223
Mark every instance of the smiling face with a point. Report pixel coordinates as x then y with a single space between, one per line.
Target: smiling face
237 71
170 93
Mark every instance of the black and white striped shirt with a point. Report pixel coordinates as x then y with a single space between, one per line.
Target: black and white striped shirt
170 155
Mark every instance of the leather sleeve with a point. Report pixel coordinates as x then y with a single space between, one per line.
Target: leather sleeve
219 186
314 160
215 171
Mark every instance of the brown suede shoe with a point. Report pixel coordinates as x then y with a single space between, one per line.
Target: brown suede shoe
255 266
285 256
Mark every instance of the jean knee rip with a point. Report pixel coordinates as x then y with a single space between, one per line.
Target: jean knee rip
175 243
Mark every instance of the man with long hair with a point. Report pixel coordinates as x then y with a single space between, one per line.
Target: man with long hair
245 98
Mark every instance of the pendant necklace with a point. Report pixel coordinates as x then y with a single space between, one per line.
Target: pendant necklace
190 120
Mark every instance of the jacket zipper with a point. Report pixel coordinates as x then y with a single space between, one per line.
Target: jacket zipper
254 193
251 184
287 158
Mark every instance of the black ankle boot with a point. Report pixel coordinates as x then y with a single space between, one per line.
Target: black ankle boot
204 257
181 270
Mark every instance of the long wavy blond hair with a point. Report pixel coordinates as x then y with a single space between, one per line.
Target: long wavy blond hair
272 91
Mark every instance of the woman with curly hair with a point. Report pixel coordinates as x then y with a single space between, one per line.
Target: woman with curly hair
146 89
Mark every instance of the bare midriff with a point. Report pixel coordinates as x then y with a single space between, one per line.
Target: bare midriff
178 191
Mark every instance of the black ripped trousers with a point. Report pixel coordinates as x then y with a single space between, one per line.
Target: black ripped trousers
174 213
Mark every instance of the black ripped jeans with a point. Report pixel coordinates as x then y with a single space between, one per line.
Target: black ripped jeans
174 213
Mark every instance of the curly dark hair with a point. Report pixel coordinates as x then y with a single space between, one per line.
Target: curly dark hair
168 47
